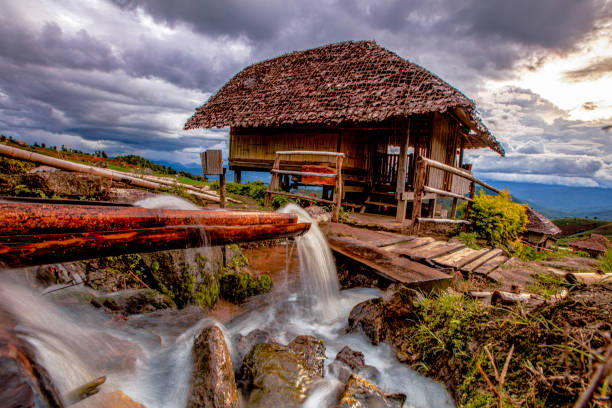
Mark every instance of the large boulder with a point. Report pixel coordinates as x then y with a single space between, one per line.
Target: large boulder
212 383
368 317
360 393
276 376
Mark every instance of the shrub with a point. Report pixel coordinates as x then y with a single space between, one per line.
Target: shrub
497 219
237 286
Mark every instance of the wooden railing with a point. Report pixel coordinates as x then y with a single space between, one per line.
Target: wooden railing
421 165
274 181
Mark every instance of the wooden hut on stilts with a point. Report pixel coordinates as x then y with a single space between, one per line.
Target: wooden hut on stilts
360 99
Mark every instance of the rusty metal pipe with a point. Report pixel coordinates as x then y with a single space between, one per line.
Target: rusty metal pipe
44 218
29 250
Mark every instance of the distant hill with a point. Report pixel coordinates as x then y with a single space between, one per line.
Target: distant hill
562 201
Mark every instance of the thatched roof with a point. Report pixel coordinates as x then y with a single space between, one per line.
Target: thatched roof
540 224
594 243
342 83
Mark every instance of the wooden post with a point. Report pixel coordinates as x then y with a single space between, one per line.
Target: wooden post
469 204
237 176
338 189
400 215
431 208
419 183
222 188
273 180
453 212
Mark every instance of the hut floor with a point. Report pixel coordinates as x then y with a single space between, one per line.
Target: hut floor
414 261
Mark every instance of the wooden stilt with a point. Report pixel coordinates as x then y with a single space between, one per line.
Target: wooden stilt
338 189
402 203
419 184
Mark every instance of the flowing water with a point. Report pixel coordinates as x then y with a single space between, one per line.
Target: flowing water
149 356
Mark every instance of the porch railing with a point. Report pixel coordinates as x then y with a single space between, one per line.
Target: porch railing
421 165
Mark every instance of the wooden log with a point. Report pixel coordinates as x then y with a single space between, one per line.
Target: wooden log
443 221
509 298
459 172
445 193
29 250
43 218
338 189
82 168
468 208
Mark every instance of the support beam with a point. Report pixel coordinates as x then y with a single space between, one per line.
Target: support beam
419 184
400 215
459 172
338 189
237 176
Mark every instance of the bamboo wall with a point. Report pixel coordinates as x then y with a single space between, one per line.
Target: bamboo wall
442 148
257 147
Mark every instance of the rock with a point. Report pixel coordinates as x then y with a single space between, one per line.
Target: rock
116 399
84 391
402 357
243 344
135 301
275 376
399 303
212 383
313 351
361 393
353 359
61 183
340 370
23 382
369 372
368 317
318 214
53 274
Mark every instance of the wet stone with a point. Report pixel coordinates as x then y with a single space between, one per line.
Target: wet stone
360 393
368 317
312 349
354 359
243 344
212 383
275 376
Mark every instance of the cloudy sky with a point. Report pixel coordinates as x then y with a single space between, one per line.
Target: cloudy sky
125 75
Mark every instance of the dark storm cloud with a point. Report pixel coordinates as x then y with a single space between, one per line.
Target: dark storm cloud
598 68
131 85
259 20
50 46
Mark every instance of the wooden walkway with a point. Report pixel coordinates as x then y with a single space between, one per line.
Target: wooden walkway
411 260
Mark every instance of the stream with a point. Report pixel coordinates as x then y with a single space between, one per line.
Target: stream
148 357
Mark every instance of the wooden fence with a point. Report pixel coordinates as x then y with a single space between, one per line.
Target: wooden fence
337 176
422 163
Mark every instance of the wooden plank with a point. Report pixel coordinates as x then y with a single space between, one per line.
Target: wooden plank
390 266
459 172
393 240
424 253
454 258
491 264
427 247
468 259
312 152
480 260
303 173
417 242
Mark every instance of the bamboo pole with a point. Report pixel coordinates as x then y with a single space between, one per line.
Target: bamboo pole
44 218
338 189
459 172
28 250
82 168
437 191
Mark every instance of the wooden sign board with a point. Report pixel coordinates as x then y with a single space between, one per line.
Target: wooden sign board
212 162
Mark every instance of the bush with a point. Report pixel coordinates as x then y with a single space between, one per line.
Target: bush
497 219
237 286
